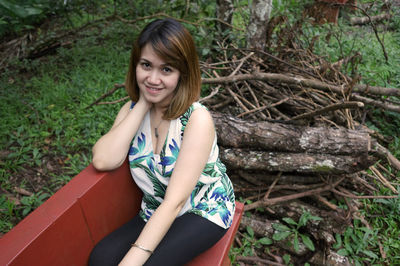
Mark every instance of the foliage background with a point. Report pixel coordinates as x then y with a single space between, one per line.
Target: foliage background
46 131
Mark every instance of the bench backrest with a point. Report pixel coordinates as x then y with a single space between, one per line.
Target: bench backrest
65 228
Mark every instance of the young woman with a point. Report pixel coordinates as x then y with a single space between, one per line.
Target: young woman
188 200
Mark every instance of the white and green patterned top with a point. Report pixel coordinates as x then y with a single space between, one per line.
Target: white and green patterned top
212 197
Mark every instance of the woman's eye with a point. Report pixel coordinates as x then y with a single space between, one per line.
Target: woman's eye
145 65
167 69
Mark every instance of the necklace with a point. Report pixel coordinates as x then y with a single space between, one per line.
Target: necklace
156 128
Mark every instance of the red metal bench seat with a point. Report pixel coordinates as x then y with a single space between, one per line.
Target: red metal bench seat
64 229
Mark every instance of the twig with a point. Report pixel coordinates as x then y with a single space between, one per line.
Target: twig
240 64
352 196
301 81
326 202
22 191
375 31
385 154
383 179
365 20
262 203
116 101
213 92
380 104
105 95
234 96
329 108
272 186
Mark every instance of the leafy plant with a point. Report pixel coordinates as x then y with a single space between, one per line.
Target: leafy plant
32 202
249 242
294 229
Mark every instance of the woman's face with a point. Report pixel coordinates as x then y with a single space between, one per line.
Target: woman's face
156 79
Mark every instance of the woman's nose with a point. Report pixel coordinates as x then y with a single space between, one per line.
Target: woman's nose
154 77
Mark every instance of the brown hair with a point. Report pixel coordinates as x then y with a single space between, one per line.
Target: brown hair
174 44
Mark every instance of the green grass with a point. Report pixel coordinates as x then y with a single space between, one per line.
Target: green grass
44 113
44 118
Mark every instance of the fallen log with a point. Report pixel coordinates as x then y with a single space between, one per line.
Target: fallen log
237 133
295 162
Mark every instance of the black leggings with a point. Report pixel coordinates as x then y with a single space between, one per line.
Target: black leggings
188 236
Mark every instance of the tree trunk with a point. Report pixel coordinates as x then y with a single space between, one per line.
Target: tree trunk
225 12
237 133
257 28
277 147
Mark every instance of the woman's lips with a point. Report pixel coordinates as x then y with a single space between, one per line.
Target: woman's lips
153 90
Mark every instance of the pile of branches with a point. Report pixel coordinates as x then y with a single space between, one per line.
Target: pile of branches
291 130
293 140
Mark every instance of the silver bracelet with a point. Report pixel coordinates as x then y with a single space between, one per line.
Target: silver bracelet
142 248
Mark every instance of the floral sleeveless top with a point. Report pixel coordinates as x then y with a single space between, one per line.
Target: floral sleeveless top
212 198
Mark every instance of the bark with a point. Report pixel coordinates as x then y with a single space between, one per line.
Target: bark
294 162
257 28
331 259
366 20
225 12
237 133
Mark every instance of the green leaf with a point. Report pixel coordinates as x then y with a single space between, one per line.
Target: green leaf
31 11
289 221
296 244
370 254
286 258
338 243
250 231
308 242
265 241
280 235
280 227
343 252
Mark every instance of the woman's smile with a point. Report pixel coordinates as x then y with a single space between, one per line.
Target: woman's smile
157 80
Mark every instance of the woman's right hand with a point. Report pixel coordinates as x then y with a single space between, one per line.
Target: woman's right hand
110 150
144 102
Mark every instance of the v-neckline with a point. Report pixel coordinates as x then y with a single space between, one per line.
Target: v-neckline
151 136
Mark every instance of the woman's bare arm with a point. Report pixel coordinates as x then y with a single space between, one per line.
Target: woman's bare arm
110 150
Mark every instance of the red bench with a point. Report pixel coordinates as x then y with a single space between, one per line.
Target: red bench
65 228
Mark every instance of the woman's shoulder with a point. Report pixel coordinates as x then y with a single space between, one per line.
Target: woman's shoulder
193 107
200 114
196 113
198 105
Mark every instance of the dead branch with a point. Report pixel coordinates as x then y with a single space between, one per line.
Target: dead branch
268 202
329 108
105 95
300 81
366 19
